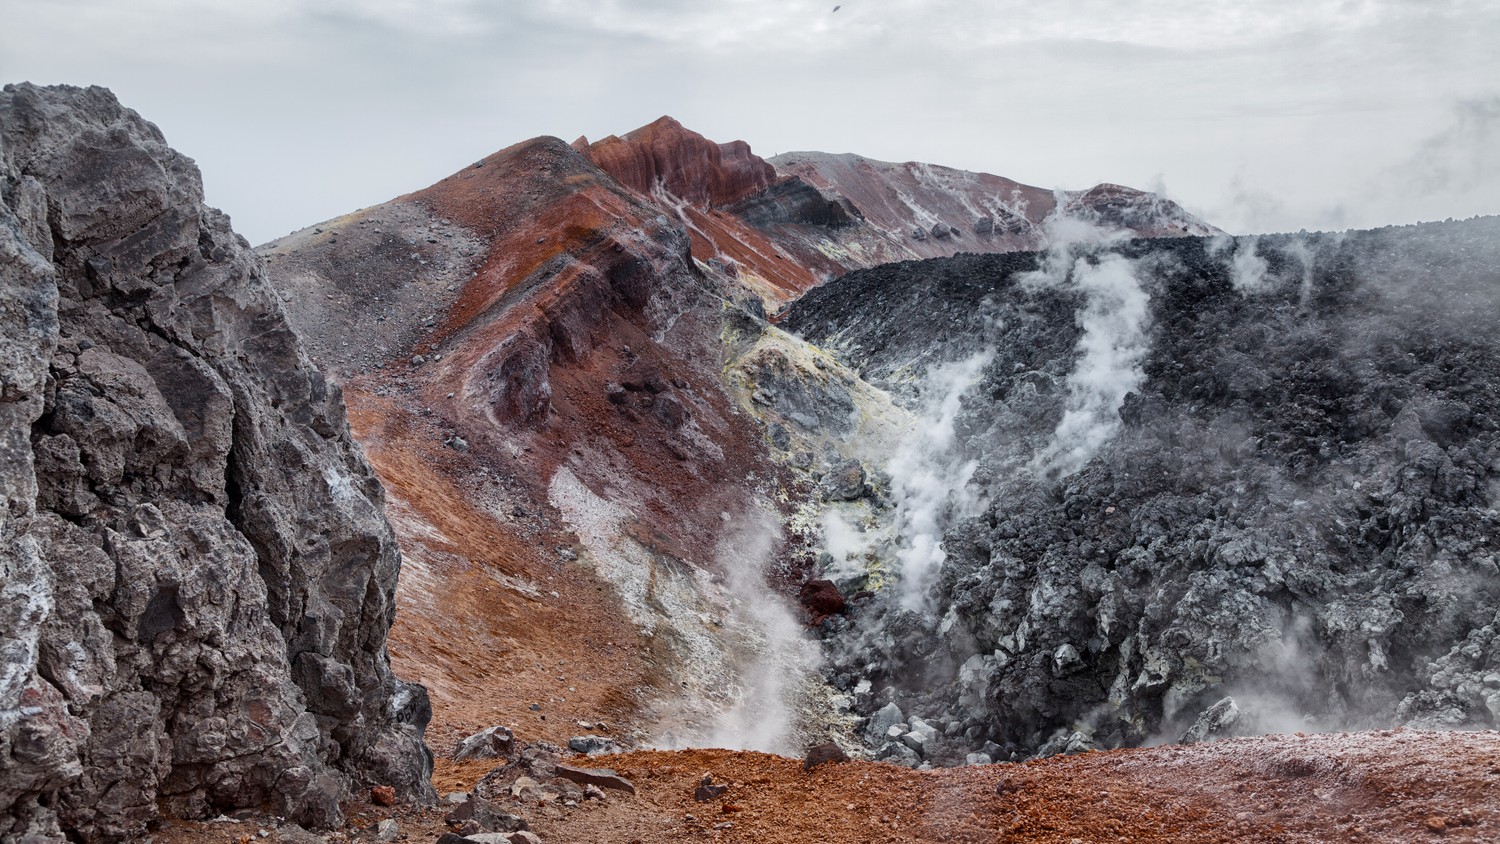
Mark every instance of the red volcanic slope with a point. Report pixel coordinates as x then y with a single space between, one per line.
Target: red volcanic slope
568 327
695 181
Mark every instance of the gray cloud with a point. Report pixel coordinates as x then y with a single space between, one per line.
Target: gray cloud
1463 158
298 110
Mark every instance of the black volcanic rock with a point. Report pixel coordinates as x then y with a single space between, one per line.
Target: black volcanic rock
795 201
1297 509
196 575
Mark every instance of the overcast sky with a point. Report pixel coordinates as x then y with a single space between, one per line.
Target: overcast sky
1259 116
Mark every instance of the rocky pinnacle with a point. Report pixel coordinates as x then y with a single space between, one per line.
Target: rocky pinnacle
196 575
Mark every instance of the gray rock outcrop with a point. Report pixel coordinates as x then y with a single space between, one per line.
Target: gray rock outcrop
196 576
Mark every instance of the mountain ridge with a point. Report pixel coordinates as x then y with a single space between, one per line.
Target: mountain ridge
985 507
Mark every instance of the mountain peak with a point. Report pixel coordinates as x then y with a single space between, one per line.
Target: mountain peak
666 157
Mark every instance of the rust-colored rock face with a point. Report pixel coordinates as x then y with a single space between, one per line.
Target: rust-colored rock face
522 333
778 228
666 160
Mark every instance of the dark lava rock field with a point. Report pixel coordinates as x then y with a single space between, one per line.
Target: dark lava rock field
1273 482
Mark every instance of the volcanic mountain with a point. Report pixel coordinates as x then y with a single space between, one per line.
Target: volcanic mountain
1148 484
558 352
595 441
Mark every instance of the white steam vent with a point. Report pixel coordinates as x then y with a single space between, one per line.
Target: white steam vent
930 479
776 660
1114 320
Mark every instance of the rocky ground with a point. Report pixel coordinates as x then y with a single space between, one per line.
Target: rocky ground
1384 786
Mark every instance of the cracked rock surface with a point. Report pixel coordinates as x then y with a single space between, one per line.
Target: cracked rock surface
196 575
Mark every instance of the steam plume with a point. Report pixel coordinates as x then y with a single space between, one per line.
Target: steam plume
776 660
1114 342
930 478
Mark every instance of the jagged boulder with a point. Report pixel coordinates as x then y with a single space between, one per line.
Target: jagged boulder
196 576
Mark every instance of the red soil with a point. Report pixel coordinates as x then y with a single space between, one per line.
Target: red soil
1396 786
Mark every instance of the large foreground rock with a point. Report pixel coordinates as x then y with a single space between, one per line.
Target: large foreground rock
196 577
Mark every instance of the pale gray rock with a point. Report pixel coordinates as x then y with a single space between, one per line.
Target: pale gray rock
1215 722
196 577
899 754
884 718
592 745
920 737
495 742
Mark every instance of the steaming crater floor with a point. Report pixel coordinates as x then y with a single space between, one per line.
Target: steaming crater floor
1383 786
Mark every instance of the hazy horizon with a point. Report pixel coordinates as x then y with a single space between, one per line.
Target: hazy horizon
1275 116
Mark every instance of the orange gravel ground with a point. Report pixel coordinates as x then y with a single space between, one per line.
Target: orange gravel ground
1385 786
486 651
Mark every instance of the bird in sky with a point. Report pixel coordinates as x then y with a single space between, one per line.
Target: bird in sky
836 8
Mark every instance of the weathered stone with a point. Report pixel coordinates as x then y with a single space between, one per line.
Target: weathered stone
479 815
197 572
1066 660
883 719
387 830
495 742
524 787
383 795
822 754
593 745
900 754
602 777
519 837
1216 721
920 737
708 790
846 481
822 599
